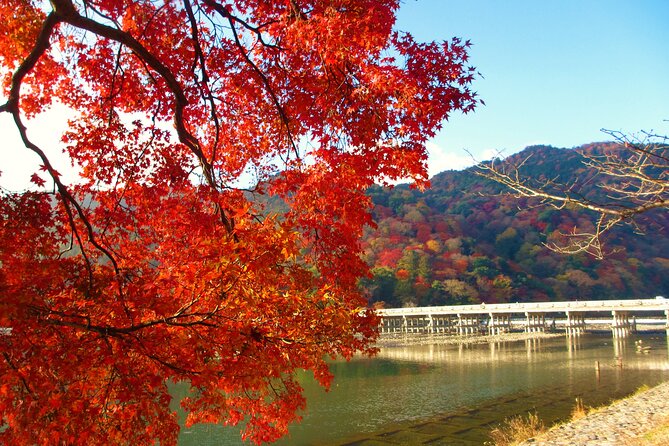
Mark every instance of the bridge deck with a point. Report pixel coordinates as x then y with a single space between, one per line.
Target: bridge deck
632 305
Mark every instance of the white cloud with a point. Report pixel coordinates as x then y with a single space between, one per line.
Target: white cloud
441 159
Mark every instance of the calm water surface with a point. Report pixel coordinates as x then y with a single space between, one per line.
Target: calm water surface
447 394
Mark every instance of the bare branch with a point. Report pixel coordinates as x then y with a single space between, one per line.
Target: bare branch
633 178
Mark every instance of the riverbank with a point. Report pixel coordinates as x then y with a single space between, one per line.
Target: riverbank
640 420
407 339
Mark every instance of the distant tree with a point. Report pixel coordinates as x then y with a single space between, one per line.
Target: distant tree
434 245
483 267
409 263
459 292
405 294
507 243
633 179
424 267
581 282
390 257
381 286
414 216
502 288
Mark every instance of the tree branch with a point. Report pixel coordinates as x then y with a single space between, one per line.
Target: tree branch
67 13
634 176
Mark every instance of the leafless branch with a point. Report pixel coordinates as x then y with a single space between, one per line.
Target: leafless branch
632 176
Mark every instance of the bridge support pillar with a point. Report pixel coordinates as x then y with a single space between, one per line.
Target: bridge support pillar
437 324
445 324
392 324
621 326
535 322
463 324
498 323
575 323
468 324
412 324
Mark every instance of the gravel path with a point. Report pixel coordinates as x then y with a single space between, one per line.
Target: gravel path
612 425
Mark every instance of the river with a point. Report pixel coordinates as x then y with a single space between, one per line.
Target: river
450 394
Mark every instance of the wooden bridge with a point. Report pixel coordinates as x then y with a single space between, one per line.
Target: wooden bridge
531 317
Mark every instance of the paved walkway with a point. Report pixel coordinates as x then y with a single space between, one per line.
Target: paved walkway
612 425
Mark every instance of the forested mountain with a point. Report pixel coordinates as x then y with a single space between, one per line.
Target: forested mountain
465 241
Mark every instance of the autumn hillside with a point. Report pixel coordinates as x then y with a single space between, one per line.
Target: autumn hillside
462 242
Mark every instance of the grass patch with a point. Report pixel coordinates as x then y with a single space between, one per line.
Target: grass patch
515 430
579 411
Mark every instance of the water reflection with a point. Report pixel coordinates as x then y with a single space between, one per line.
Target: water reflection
483 353
619 347
405 388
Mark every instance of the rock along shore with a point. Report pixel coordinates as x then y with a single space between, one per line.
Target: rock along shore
617 424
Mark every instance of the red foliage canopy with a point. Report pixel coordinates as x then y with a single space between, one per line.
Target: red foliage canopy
158 266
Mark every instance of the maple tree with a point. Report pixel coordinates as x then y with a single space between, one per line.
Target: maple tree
164 262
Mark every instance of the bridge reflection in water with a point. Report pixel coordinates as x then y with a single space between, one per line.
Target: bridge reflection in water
503 351
495 319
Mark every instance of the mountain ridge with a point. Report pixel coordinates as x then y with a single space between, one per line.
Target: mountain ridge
465 241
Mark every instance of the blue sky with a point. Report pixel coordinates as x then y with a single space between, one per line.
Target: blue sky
554 72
